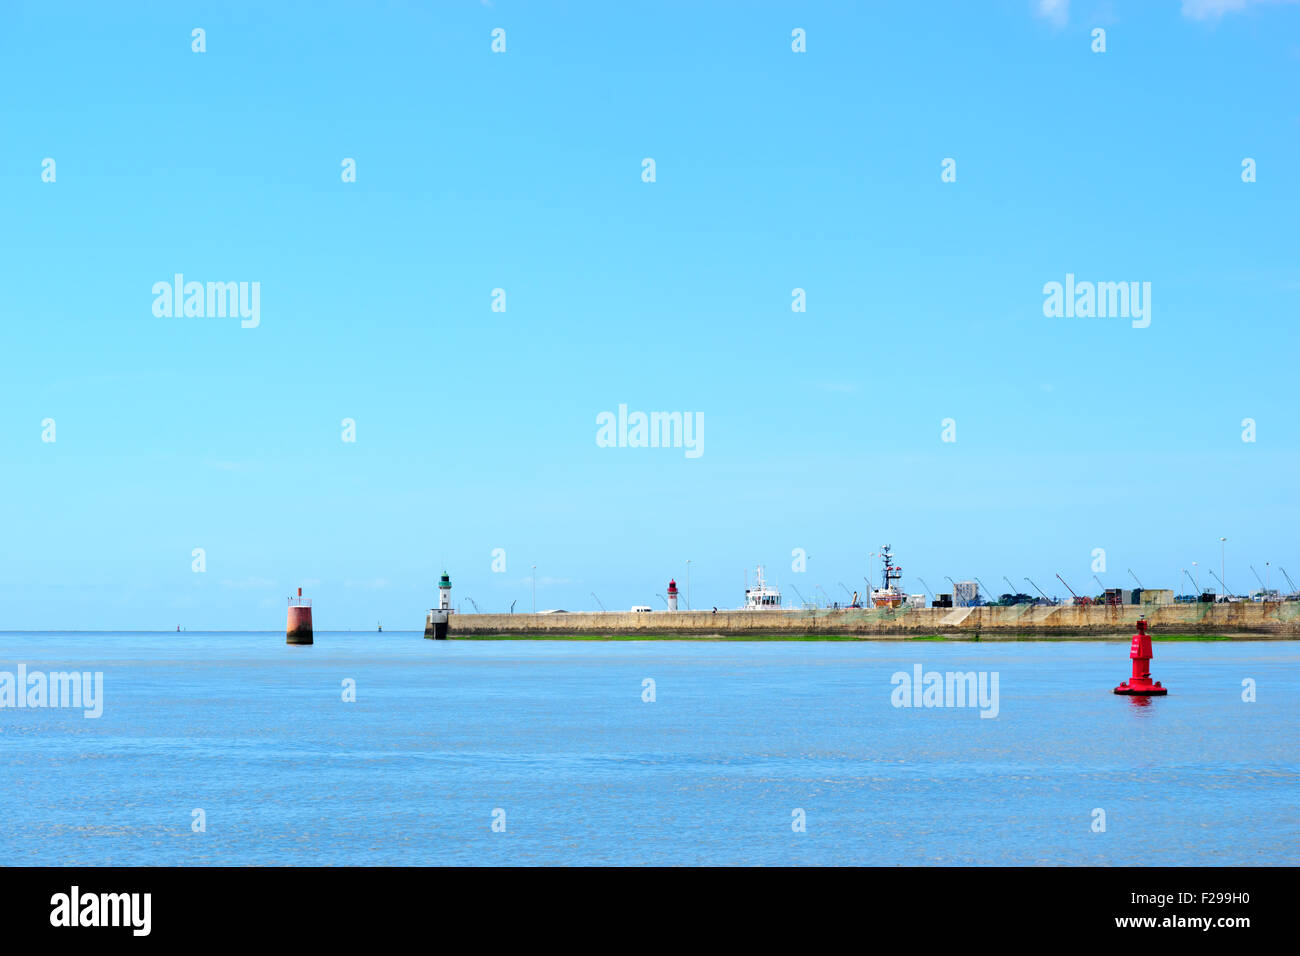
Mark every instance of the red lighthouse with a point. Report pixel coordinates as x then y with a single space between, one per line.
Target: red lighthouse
1140 684
672 594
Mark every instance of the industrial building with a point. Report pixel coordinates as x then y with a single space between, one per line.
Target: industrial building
1154 596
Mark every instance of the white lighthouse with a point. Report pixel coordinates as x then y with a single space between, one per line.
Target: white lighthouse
435 625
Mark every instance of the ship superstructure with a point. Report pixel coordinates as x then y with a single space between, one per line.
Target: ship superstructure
762 596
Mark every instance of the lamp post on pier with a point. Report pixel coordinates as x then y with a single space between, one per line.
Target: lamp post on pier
1223 547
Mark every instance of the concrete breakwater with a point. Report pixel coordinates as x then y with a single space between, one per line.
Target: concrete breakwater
1278 620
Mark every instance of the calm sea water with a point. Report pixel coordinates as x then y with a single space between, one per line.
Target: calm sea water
556 735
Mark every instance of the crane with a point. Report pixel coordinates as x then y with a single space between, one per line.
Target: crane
867 598
987 593
597 600
1195 588
1039 590
829 600
1135 578
1221 584
1257 577
801 597
927 587
1104 596
846 590
1077 599
954 589
471 601
1287 576
1015 591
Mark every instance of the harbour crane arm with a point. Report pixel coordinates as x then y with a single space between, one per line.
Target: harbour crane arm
954 586
1067 587
1220 580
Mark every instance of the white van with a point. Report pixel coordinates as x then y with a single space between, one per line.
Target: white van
642 609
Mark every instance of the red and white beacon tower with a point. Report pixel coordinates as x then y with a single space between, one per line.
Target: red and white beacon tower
1140 684
672 594
298 630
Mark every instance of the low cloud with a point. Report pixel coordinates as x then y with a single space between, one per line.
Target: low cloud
1214 9
1055 12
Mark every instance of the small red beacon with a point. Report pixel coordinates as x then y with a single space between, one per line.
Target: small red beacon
1140 684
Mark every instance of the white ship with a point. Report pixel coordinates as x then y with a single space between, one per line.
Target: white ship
761 597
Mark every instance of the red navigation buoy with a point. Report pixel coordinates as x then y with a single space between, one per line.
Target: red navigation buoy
298 630
1140 684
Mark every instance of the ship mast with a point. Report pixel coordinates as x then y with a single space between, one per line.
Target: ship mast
889 572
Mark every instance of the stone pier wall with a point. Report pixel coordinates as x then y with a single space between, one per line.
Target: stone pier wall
1272 620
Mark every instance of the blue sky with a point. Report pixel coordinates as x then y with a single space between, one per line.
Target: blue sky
522 170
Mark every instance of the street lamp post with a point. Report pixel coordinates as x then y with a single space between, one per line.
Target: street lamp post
1223 547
